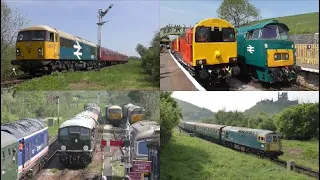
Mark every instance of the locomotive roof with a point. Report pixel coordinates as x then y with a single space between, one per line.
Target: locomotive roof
81 121
190 122
260 25
152 133
7 139
61 33
254 131
220 21
114 107
23 127
143 125
210 125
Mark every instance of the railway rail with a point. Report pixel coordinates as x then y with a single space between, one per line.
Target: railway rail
10 82
254 84
297 168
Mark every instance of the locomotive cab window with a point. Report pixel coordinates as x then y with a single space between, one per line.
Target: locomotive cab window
63 132
208 34
51 37
274 32
85 132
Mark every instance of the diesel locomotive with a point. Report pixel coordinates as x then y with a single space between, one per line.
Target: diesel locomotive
265 53
45 49
24 148
143 133
133 112
77 138
114 115
257 141
208 50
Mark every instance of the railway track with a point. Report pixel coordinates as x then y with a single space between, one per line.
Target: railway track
53 149
238 84
300 169
10 82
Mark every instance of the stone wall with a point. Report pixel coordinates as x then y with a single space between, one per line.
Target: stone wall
302 38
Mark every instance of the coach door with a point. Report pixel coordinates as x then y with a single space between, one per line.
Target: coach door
56 46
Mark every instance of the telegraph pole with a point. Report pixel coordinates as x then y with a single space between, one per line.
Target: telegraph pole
127 156
58 102
101 14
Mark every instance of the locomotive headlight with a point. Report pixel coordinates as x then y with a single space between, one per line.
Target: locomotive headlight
40 51
285 56
277 56
265 45
85 147
18 52
200 62
63 147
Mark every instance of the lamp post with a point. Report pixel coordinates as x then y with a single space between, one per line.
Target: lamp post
101 14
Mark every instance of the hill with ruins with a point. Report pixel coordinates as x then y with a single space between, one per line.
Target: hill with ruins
270 106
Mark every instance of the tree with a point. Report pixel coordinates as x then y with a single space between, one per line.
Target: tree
238 12
11 22
141 49
299 122
170 115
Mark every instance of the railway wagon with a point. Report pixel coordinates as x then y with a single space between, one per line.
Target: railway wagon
24 146
154 157
45 49
77 138
209 50
114 115
212 131
265 53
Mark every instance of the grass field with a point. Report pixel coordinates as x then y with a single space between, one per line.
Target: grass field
300 24
192 158
304 153
128 76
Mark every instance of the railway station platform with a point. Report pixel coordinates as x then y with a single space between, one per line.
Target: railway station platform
309 67
172 78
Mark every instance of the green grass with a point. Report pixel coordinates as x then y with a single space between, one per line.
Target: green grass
53 130
128 76
192 158
300 24
304 153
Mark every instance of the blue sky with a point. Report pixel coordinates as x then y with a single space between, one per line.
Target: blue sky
190 12
130 22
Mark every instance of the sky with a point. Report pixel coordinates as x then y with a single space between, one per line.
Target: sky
238 100
130 22
190 12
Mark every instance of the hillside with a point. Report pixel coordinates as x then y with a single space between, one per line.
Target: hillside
299 24
191 112
190 158
269 107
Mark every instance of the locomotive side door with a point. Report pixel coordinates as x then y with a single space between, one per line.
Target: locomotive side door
56 46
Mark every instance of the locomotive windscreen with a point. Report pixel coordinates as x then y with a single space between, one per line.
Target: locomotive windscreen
274 32
208 34
32 36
